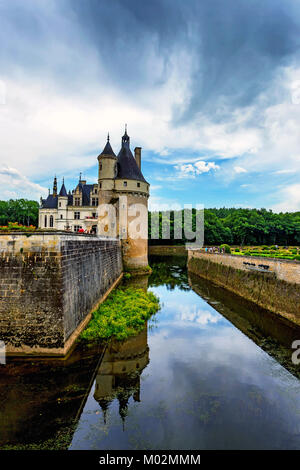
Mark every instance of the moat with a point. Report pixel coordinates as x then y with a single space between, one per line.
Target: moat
210 371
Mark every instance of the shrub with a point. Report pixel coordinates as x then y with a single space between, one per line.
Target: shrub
226 248
237 250
14 226
297 257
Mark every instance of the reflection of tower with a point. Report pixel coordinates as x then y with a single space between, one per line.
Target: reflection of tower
119 374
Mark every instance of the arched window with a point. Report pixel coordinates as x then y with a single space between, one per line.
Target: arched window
51 220
45 221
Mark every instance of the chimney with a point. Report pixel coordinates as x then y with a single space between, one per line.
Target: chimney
137 156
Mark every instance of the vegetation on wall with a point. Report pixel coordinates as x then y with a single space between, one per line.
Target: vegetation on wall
237 227
23 211
122 314
14 226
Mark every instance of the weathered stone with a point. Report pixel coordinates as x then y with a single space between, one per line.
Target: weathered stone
46 300
277 289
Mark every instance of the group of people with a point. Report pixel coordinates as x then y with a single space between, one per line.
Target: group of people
214 249
82 230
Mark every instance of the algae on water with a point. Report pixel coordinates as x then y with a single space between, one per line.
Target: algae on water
122 315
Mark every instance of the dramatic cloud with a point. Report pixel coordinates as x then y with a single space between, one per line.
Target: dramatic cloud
212 78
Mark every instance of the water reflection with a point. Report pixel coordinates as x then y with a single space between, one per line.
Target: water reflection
199 379
40 400
118 377
207 385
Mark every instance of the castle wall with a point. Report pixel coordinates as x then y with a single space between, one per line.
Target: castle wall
135 250
49 285
132 186
277 290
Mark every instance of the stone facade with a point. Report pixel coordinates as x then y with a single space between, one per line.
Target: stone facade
277 289
49 285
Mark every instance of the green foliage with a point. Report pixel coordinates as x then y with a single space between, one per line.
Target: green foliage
23 211
123 314
226 248
297 257
237 250
14 226
127 275
235 227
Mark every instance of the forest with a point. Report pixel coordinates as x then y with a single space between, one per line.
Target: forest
238 227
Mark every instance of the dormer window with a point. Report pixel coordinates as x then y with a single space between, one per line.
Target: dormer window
77 201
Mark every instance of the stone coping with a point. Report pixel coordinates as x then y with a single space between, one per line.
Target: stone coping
55 233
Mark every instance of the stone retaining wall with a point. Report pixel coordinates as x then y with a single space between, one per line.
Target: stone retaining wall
277 289
168 250
49 284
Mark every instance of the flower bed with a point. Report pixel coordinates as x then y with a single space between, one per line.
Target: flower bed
16 227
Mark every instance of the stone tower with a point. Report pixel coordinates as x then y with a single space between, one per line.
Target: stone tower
123 187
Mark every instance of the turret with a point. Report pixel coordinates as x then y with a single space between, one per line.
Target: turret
107 166
63 191
62 207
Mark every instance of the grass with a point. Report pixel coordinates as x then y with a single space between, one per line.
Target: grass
123 314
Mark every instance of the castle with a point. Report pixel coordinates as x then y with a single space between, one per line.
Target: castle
121 185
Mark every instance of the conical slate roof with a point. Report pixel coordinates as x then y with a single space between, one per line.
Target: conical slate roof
107 149
127 166
63 191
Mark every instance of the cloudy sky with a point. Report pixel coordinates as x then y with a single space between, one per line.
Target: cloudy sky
209 88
